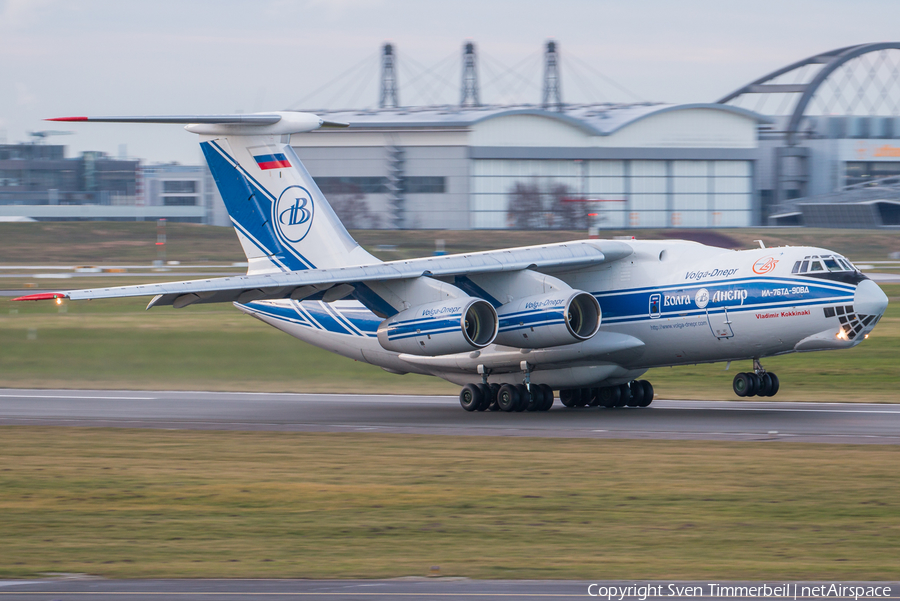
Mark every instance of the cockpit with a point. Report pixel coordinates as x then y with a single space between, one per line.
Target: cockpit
814 263
828 267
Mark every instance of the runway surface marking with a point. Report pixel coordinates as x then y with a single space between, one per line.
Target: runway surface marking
748 420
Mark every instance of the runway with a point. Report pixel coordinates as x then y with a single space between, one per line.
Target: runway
439 415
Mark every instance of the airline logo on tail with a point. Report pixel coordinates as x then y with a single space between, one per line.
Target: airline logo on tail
293 213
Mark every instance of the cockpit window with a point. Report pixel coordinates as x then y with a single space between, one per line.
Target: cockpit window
826 263
832 265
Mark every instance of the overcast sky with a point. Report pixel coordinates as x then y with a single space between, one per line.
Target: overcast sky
98 57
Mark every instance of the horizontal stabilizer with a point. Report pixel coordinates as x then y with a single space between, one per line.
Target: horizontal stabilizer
277 122
256 119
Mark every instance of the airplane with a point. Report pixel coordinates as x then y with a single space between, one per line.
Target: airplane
515 326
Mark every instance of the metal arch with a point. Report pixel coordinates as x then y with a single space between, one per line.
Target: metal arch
832 60
759 87
821 76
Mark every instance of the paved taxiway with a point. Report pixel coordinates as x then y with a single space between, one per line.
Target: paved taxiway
442 415
412 589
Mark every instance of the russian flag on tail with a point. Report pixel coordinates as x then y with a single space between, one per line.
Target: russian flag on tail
272 161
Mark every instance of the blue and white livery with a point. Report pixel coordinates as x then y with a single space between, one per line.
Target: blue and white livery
585 318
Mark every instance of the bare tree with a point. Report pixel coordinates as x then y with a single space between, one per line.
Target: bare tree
526 210
569 213
352 208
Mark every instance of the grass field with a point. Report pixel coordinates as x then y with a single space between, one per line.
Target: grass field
135 243
116 344
130 503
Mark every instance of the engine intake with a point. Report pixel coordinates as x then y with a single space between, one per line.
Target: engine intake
454 326
548 320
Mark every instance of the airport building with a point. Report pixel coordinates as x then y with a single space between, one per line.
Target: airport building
38 183
613 166
805 145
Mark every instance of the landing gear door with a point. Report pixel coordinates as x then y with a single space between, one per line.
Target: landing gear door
720 324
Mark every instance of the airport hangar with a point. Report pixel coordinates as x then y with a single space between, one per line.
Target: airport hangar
637 165
790 148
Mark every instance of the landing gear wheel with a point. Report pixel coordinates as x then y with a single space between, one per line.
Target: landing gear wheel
524 398
595 397
585 397
495 388
637 394
537 398
507 398
624 395
576 398
470 397
548 397
741 384
775 384
566 397
609 396
485 397
755 384
648 394
765 387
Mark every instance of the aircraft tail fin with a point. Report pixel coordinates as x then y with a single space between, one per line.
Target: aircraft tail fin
282 219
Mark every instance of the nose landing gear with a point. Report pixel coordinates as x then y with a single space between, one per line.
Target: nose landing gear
759 382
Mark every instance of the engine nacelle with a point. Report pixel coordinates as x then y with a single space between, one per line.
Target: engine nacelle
545 320
442 328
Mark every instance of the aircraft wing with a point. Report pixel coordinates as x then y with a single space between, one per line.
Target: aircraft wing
303 284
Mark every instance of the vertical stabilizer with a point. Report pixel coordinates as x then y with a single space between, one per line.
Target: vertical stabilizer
281 217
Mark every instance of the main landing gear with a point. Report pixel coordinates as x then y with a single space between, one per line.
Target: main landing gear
508 397
638 393
759 382
517 397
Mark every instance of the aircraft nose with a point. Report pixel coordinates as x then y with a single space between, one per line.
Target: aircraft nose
869 299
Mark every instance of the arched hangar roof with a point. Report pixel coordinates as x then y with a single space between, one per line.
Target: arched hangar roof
592 119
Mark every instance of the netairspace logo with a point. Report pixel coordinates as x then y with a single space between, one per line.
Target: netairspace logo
776 591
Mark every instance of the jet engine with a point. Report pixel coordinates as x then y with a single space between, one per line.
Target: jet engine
545 320
442 328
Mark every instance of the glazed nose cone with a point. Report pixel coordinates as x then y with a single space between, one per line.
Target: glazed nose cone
869 299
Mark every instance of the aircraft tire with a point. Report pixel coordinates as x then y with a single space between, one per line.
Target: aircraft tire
609 396
537 399
585 397
548 397
775 385
595 397
566 397
470 397
507 398
765 386
485 397
648 394
637 394
495 388
624 395
741 384
755 384
524 398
